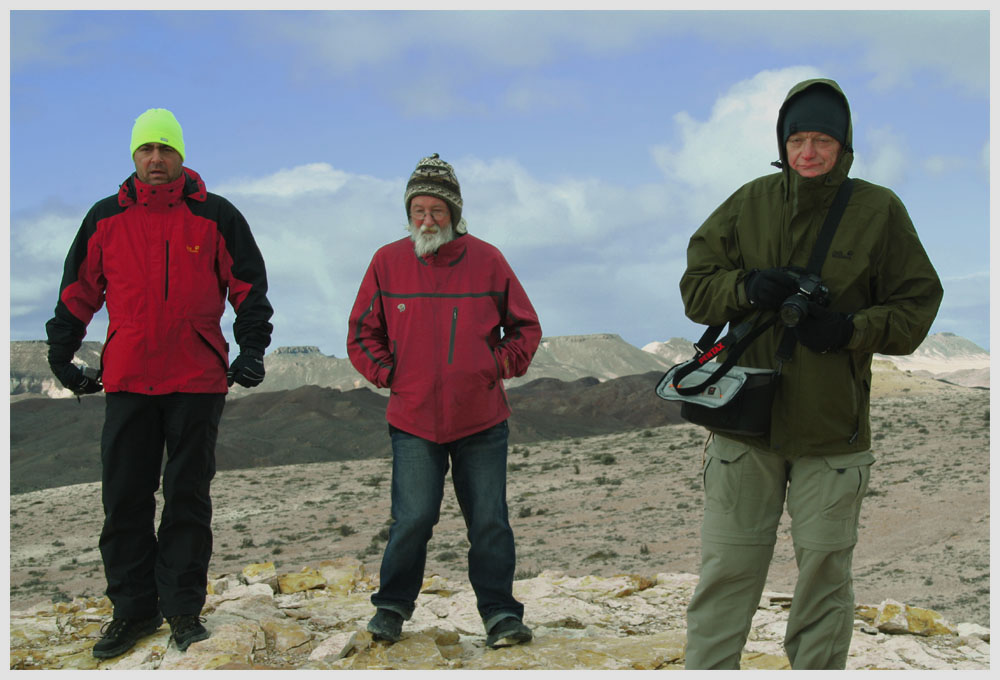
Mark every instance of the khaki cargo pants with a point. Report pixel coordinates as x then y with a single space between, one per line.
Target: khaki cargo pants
745 492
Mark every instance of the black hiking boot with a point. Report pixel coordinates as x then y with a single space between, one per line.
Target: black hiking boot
120 635
507 632
386 625
186 629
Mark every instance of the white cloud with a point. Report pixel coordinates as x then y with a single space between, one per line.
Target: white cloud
534 94
738 141
892 45
44 237
290 183
943 165
887 160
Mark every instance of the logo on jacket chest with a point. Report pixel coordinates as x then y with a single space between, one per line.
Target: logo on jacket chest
194 249
841 255
401 307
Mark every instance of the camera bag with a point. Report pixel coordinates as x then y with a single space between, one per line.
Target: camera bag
731 399
722 396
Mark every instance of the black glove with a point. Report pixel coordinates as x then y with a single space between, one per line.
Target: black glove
824 330
247 369
74 379
768 288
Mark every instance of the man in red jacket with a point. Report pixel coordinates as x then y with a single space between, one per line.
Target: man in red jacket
427 324
164 254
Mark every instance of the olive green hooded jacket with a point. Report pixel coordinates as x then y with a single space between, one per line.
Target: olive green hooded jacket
876 269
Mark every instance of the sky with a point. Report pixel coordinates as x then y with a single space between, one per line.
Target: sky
589 145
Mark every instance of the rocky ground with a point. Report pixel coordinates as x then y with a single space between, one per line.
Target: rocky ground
600 506
315 619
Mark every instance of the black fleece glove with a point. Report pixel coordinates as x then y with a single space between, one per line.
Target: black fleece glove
768 288
824 330
72 378
247 369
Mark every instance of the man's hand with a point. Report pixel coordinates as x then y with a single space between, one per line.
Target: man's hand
824 330
768 288
247 369
74 379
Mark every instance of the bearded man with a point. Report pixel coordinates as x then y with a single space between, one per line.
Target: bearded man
441 320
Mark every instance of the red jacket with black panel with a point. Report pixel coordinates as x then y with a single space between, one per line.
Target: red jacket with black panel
164 258
429 329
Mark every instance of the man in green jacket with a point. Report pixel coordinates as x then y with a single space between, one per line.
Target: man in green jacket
883 297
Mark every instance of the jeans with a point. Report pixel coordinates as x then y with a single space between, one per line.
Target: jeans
166 571
479 474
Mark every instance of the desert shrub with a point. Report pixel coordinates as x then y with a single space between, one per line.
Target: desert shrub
600 555
525 511
345 530
448 556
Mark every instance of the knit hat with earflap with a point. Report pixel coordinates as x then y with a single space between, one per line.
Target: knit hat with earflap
157 126
818 108
434 177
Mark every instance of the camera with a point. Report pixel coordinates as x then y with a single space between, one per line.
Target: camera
796 306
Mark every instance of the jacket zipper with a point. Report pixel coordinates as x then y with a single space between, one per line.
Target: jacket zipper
857 401
166 272
451 342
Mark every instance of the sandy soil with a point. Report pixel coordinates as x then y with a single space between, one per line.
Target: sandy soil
623 503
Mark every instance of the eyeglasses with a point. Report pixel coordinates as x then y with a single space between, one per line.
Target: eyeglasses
437 214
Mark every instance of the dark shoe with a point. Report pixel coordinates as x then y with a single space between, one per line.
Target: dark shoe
386 625
186 629
507 632
120 635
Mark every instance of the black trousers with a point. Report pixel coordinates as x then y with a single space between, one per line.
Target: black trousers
166 571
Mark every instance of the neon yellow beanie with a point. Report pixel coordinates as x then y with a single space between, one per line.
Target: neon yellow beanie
160 126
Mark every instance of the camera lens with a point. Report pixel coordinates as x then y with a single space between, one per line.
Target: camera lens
793 310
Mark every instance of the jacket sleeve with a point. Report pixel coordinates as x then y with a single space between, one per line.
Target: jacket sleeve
81 292
712 285
521 330
906 292
367 338
243 272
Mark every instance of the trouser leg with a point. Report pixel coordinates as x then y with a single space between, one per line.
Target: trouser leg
824 501
821 621
191 426
479 473
723 605
418 470
131 454
744 498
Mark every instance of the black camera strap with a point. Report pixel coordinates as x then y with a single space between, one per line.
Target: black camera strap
739 338
734 343
818 255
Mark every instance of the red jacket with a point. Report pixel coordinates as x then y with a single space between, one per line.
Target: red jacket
429 329
164 258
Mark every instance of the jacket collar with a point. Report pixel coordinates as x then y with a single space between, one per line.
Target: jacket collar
134 192
448 255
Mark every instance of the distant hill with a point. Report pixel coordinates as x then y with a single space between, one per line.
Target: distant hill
56 442
604 356
571 357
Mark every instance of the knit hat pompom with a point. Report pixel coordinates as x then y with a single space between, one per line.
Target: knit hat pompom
434 177
817 109
157 126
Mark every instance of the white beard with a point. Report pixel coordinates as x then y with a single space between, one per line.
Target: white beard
425 243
